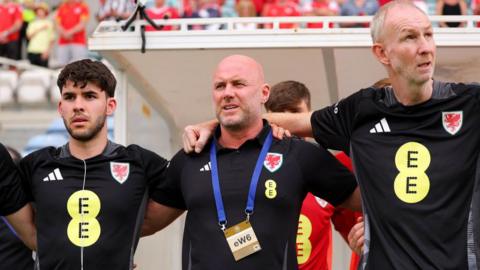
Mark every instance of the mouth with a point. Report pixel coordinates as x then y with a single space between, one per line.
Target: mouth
79 120
229 107
425 64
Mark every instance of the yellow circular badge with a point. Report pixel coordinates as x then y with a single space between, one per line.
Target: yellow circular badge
412 183
270 189
84 229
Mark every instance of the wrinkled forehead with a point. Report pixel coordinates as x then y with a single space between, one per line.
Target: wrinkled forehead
404 16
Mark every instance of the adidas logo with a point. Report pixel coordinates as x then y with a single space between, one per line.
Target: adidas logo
381 127
55 175
206 167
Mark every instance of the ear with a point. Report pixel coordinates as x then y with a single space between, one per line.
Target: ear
265 93
379 52
59 108
111 105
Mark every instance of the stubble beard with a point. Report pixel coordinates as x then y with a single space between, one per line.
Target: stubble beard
89 133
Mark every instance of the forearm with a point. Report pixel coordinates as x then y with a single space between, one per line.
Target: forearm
297 123
157 217
354 202
23 223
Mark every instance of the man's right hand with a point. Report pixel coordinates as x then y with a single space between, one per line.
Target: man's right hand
356 238
195 137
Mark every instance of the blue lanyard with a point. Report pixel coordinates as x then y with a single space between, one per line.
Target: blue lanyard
222 219
10 227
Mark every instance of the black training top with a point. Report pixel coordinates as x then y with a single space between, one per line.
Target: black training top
13 253
12 197
292 168
90 212
417 170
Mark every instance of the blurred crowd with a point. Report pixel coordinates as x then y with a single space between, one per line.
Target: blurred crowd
37 28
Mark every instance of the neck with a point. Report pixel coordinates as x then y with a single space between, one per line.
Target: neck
411 94
88 149
235 138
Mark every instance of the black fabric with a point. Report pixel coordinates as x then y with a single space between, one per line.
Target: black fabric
431 231
120 201
454 10
13 253
304 168
9 50
36 59
12 197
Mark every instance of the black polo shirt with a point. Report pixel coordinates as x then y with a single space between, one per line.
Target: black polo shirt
292 168
13 253
12 197
90 210
418 170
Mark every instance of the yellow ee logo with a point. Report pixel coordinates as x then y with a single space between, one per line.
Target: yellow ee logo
84 229
270 189
412 183
304 246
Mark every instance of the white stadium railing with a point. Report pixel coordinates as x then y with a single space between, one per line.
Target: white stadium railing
109 35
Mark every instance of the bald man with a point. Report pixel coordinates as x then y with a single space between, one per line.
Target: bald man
244 192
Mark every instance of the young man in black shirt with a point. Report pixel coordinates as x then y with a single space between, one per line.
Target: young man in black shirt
415 147
90 194
224 229
13 252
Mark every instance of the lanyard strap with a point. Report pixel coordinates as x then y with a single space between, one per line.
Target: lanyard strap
222 219
10 227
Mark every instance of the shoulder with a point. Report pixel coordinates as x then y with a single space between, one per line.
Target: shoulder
298 147
135 150
448 89
41 155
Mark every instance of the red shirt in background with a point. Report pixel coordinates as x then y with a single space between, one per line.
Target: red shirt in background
314 235
321 5
69 15
9 14
288 9
162 13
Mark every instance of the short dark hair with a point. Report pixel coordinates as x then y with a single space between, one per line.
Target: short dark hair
285 96
87 71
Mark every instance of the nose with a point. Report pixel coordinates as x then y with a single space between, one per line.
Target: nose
78 104
426 45
228 92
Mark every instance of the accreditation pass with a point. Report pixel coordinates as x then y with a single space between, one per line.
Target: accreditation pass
242 240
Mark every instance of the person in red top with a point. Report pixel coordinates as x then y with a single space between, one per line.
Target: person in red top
321 8
10 23
72 17
161 11
476 9
314 235
281 8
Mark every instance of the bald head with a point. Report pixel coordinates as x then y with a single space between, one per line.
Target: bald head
243 64
239 92
398 7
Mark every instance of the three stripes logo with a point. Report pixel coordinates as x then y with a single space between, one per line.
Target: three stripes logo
53 176
206 168
381 127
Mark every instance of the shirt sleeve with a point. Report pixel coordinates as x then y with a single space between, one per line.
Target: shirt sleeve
170 191
155 168
12 197
332 125
25 171
325 176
